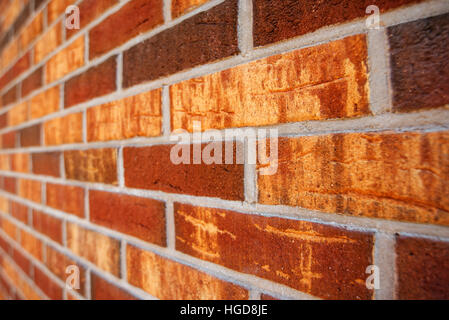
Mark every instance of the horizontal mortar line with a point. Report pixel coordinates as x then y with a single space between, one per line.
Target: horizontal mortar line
36 263
23 275
433 119
357 223
247 281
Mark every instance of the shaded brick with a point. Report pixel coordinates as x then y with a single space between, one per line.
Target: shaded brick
9 140
135 116
322 82
18 114
399 176
104 290
280 20
205 37
422 268
30 136
69 199
179 7
94 165
146 168
68 129
65 61
95 82
325 261
135 17
169 280
419 68
45 103
21 261
47 285
31 32
21 162
139 217
19 211
10 96
32 82
17 69
30 189
31 244
47 225
95 247
51 39
46 163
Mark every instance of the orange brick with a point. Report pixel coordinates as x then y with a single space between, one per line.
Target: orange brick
104 290
4 204
47 225
5 162
136 116
400 176
30 189
65 61
47 285
95 247
48 43
18 114
169 280
9 54
19 211
11 13
9 228
69 199
322 82
19 282
31 244
56 8
179 7
21 162
44 103
68 129
31 31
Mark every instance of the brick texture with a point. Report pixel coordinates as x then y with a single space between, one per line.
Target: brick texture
103 290
68 129
179 7
47 225
47 163
69 199
95 165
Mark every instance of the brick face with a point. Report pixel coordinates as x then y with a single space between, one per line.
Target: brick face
31 136
104 290
44 103
419 72
47 285
179 7
357 174
69 199
167 279
30 189
32 82
68 129
47 225
50 40
47 163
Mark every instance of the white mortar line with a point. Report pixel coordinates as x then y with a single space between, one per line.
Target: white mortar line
167 10
170 225
166 116
384 259
245 26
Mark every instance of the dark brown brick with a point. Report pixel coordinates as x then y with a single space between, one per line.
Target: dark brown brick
30 136
422 268
205 37
104 290
419 63
32 82
47 163
3 120
139 217
95 82
146 168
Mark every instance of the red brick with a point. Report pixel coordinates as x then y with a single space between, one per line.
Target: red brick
22 261
104 290
30 189
3 120
19 282
31 244
94 165
169 280
56 8
9 228
325 261
388 175
10 184
280 20
146 168
419 68
135 17
180 7
31 31
48 225
10 96
47 285
69 199
46 163
45 103
422 268
205 37
17 69
9 140
5 162
139 217
95 82
32 82
30 136
19 211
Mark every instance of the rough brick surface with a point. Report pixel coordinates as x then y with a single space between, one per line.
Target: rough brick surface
32 82
419 69
50 40
139 217
358 174
167 279
422 268
203 38
69 199
68 129
94 165
104 290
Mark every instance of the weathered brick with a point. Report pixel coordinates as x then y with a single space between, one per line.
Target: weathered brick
205 37
9 140
422 268
280 20
30 33
17 69
30 136
166 279
21 162
47 285
180 7
47 225
65 61
246 243
146 168
56 8
137 16
104 290
30 189
139 217
48 42
46 163
95 247
44 103
399 176
89 11
95 82
31 244
19 211
32 82
68 129
322 82
93 165
18 114
419 68
135 116
69 199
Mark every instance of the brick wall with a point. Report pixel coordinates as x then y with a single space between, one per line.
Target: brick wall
88 119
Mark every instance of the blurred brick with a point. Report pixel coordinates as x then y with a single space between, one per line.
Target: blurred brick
30 189
44 103
104 290
21 162
10 96
56 8
47 285
18 114
10 184
31 244
47 163
9 228
19 211
22 261
30 136
69 199
48 225
93 165
32 82
31 31
17 69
